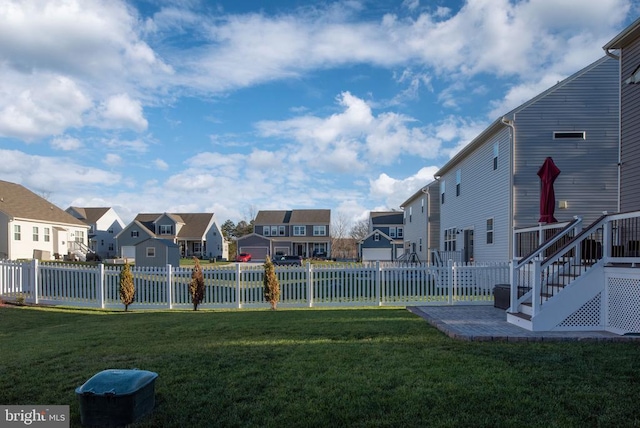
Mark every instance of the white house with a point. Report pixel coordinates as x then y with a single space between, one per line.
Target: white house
104 225
32 227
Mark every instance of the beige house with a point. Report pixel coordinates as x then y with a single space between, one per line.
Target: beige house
32 227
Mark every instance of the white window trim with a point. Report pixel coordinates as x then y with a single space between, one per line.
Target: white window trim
151 252
320 230
297 229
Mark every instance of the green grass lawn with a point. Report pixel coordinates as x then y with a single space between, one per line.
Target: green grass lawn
351 368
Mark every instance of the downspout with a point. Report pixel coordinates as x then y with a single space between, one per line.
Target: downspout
428 241
512 127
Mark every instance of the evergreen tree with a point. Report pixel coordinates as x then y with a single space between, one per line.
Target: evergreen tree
127 287
196 286
271 284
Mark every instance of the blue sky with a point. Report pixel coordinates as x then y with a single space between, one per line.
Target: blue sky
194 106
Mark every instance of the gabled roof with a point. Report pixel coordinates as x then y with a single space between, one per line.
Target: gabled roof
165 242
17 201
195 226
626 36
384 236
90 215
386 217
501 122
293 217
421 191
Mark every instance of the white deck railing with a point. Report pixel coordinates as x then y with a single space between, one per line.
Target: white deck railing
240 286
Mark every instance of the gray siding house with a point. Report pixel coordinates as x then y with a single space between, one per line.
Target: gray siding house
196 234
627 43
105 224
422 223
294 232
491 186
385 241
156 252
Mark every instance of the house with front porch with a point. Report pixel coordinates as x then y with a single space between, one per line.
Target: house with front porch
196 234
104 224
421 219
385 241
490 189
302 232
32 227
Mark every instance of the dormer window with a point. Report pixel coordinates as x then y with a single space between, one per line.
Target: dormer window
166 229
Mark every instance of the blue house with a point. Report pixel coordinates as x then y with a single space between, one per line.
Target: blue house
385 241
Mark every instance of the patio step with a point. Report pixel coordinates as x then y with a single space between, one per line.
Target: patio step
521 320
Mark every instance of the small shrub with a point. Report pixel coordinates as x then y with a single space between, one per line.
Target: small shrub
127 287
20 299
271 284
196 286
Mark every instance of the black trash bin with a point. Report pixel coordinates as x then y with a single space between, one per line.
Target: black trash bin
502 296
116 397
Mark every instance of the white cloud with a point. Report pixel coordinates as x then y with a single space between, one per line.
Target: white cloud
395 191
112 159
161 165
120 111
42 173
66 143
40 107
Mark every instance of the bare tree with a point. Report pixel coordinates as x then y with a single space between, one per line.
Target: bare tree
340 244
360 230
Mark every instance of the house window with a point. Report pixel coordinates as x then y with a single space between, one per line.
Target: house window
392 232
458 178
319 230
442 187
489 231
422 203
134 234
565 135
110 247
420 245
151 252
299 230
450 239
36 234
80 236
376 236
166 229
410 214
495 156
197 247
399 232
110 231
266 230
281 230
47 234
16 232
274 230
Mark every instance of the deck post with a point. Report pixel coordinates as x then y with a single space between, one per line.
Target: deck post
536 293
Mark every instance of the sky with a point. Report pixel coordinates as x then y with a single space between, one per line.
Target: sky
238 106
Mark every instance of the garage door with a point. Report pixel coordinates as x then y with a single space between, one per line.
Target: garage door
257 253
128 252
374 254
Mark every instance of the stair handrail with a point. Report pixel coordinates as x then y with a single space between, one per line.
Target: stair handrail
518 265
573 224
541 266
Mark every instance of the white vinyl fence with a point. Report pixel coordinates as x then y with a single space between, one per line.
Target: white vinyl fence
240 286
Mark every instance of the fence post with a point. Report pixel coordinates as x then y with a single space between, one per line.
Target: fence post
309 284
452 267
537 283
169 285
514 273
101 284
378 283
238 273
34 280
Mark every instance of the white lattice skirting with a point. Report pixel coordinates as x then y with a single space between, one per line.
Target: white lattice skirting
623 303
